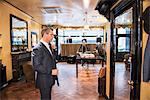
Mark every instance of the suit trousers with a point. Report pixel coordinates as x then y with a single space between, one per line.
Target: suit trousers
46 93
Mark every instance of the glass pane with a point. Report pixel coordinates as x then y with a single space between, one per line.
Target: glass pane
123 44
124 30
121 31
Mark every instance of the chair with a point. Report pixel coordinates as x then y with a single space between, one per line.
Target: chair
28 72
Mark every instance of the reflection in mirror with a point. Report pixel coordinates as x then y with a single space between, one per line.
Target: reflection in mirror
125 19
123 44
123 40
33 39
123 26
19 34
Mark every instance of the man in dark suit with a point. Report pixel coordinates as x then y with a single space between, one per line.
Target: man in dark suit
44 64
100 49
83 47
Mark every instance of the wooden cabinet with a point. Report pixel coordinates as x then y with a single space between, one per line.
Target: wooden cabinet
18 59
3 79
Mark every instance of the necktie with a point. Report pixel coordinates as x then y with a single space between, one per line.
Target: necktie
51 50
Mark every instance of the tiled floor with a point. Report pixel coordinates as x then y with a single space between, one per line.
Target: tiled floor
71 88
121 82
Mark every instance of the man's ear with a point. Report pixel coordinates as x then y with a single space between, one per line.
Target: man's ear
146 18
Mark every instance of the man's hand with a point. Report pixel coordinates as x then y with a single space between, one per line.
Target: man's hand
54 71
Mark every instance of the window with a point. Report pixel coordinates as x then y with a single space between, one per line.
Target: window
124 44
78 35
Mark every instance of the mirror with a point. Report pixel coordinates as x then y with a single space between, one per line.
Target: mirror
34 40
19 34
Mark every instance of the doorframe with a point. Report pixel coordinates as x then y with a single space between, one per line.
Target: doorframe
137 31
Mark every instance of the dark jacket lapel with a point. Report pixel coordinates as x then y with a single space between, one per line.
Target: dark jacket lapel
45 48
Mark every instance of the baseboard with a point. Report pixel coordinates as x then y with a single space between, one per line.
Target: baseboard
3 86
106 97
9 81
6 84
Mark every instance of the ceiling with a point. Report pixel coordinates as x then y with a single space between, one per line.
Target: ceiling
62 12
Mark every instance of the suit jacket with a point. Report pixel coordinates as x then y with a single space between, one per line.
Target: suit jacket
146 65
100 49
43 63
83 48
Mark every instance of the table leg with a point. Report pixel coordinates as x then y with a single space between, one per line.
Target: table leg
102 63
77 69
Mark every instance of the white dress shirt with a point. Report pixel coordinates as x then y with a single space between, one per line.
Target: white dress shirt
47 46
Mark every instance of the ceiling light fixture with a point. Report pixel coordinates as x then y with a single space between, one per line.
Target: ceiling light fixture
86 26
86 3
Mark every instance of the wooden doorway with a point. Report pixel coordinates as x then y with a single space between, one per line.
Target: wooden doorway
136 47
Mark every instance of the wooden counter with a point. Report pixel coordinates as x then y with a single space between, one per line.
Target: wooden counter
71 49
